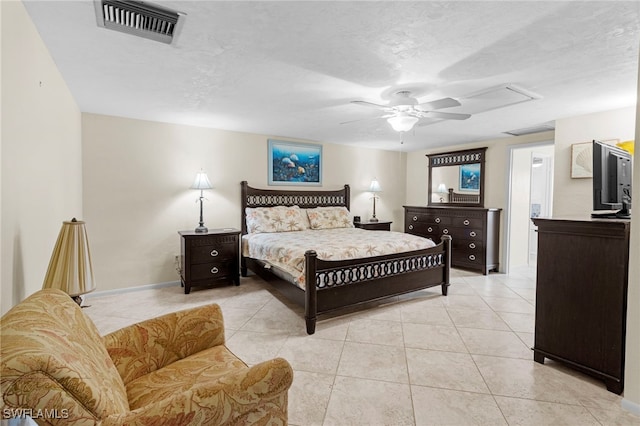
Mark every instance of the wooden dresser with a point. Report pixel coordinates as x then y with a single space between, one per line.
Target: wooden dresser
475 233
581 295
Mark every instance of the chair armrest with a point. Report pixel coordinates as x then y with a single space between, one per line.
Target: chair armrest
255 395
142 348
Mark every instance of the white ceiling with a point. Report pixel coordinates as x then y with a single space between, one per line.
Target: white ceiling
289 69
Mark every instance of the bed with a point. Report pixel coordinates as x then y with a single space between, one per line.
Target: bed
455 197
329 285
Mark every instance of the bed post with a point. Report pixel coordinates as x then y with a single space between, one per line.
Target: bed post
446 242
243 225
310 303
347 197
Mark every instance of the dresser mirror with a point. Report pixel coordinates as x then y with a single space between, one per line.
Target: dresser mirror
456 178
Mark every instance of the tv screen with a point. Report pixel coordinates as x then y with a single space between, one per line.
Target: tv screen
611 182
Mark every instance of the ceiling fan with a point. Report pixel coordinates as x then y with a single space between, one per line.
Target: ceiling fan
404 111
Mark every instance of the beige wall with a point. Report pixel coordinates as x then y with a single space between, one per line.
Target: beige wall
41 156
136 189
573 197
632 366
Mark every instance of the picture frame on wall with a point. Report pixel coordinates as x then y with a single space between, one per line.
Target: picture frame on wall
582 160
294 163
470 177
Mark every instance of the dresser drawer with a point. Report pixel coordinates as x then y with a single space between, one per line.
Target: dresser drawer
419 228
469 245
210 253
470 259
467 222
463 233
430 218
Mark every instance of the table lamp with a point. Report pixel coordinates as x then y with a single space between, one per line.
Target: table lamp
70 267
374 188
201 182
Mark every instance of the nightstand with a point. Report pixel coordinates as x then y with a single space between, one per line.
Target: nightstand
207 257
374 226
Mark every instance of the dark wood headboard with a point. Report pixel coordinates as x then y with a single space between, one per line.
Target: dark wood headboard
255 197
455 197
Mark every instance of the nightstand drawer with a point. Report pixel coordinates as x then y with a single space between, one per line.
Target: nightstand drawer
211 253
208 271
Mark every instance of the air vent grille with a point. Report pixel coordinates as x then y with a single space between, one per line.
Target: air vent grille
139 18
531 130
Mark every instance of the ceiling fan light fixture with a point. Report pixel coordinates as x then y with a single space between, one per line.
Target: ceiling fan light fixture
402 122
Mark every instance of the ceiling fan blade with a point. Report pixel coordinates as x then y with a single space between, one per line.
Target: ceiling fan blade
440 103
372 105
445 115
368 119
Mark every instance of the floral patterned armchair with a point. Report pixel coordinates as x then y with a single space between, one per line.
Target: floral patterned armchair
171 370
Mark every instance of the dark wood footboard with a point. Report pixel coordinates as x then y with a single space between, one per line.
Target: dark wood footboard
344 283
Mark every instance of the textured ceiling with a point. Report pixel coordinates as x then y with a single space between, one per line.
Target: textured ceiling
290 69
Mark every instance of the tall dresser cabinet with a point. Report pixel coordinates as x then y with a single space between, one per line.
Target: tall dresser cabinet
581 295
474 231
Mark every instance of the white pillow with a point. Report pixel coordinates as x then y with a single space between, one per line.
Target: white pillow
329 217
275 219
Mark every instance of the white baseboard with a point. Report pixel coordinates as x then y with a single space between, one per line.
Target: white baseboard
130 289
633 407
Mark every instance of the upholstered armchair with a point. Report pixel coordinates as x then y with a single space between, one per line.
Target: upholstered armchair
171 370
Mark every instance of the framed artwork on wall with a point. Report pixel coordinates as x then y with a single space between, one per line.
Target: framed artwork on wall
582 160
294 163
470 177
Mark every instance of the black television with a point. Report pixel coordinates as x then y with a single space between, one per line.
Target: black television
612 168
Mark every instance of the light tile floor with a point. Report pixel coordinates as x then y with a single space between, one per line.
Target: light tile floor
419 359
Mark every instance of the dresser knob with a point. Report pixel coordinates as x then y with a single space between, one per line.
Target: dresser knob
437 220
214 252
410 227
466 222
472 257
430 229
415 218
472 233
214 270
472 245
445 231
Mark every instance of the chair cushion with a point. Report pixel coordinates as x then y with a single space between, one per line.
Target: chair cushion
48 337
202 368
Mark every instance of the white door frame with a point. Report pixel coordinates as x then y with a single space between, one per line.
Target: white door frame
506 239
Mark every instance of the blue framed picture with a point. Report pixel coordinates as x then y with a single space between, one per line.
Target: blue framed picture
293 163
470 177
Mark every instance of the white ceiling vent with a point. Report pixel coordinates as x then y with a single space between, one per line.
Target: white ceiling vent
496 97
139 18
530 130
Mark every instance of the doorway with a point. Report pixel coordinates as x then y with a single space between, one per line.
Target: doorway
530 195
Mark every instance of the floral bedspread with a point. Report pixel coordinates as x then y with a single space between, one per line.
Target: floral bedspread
286 249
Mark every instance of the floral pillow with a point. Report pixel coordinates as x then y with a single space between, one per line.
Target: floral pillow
275 219
329 217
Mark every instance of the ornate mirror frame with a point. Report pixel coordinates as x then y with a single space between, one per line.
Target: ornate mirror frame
464 172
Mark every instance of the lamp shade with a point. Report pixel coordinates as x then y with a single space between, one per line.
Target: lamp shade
442 189
402 122
70 267
375 186
201 181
